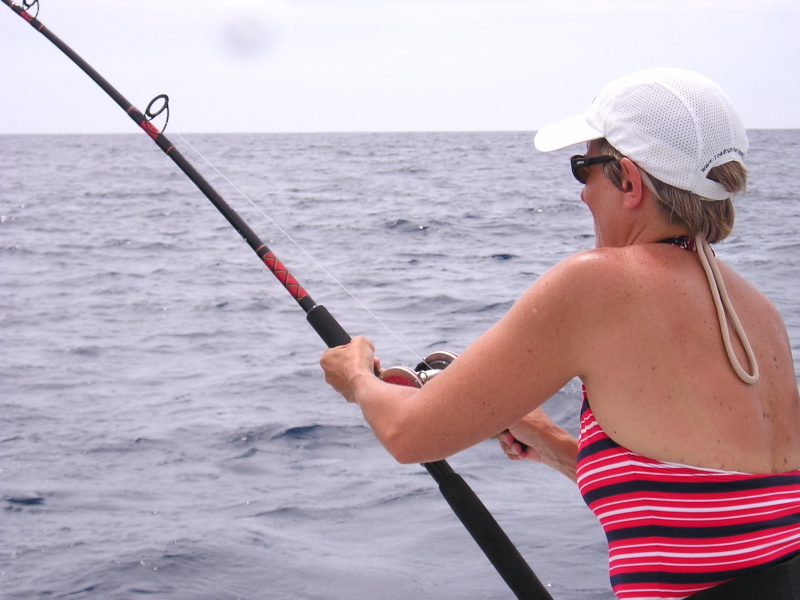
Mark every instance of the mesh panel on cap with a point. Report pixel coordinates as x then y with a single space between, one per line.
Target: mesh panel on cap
710 117
658 141
675 124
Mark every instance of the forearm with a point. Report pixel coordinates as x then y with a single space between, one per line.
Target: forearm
450 413
562 454
392 411
385 407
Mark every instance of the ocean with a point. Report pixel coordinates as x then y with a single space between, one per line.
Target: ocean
165 430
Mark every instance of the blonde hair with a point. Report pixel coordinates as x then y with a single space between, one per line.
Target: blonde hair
712 219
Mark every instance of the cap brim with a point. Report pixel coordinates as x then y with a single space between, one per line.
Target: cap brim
562 134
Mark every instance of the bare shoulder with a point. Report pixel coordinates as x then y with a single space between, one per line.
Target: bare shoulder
738 284
752 304
593 274
584 293
600 263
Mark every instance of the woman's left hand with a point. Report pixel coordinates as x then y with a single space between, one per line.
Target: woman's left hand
543 441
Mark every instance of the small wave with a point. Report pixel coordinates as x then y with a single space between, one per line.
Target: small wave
93 351
330 434
405 226
126 194
504 256
248 454
306 436
301 433
411 170
17 250
251 436
25 500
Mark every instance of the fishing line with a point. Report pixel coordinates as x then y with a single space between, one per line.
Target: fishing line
472 513
303 250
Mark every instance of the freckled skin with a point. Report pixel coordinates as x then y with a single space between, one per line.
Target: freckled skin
635 321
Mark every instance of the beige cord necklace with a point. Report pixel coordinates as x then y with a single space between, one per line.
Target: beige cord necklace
723 303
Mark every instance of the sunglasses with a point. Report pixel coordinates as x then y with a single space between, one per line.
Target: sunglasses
582 166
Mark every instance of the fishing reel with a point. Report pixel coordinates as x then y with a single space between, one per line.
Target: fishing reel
422 373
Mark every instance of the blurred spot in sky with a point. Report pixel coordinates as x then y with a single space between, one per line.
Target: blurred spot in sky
247 37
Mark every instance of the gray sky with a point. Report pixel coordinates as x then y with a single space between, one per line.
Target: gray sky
384 65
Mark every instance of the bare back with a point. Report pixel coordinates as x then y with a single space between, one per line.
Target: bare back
660 382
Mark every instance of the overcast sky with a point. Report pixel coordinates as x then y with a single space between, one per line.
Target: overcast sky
384 65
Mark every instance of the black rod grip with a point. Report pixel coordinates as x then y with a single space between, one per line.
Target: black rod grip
327 327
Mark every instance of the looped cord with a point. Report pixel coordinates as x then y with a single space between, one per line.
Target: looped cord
723 303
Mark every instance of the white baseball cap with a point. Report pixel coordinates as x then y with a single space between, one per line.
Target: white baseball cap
674 124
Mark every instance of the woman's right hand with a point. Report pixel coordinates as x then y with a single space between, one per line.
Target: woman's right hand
343 364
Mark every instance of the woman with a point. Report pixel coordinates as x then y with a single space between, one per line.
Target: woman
689 452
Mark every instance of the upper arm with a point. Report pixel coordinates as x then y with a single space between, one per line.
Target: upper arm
510 370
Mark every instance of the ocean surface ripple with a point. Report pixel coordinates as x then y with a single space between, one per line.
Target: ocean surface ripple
165 430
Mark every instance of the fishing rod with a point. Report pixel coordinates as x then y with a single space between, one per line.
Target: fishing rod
475 517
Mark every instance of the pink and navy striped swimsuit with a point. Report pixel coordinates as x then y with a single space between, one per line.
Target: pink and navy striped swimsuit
673 529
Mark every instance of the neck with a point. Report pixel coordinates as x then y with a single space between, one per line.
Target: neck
651 234
644 223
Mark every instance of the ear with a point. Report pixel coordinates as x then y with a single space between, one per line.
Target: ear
631 183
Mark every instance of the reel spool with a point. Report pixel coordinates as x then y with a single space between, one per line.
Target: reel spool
422 373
